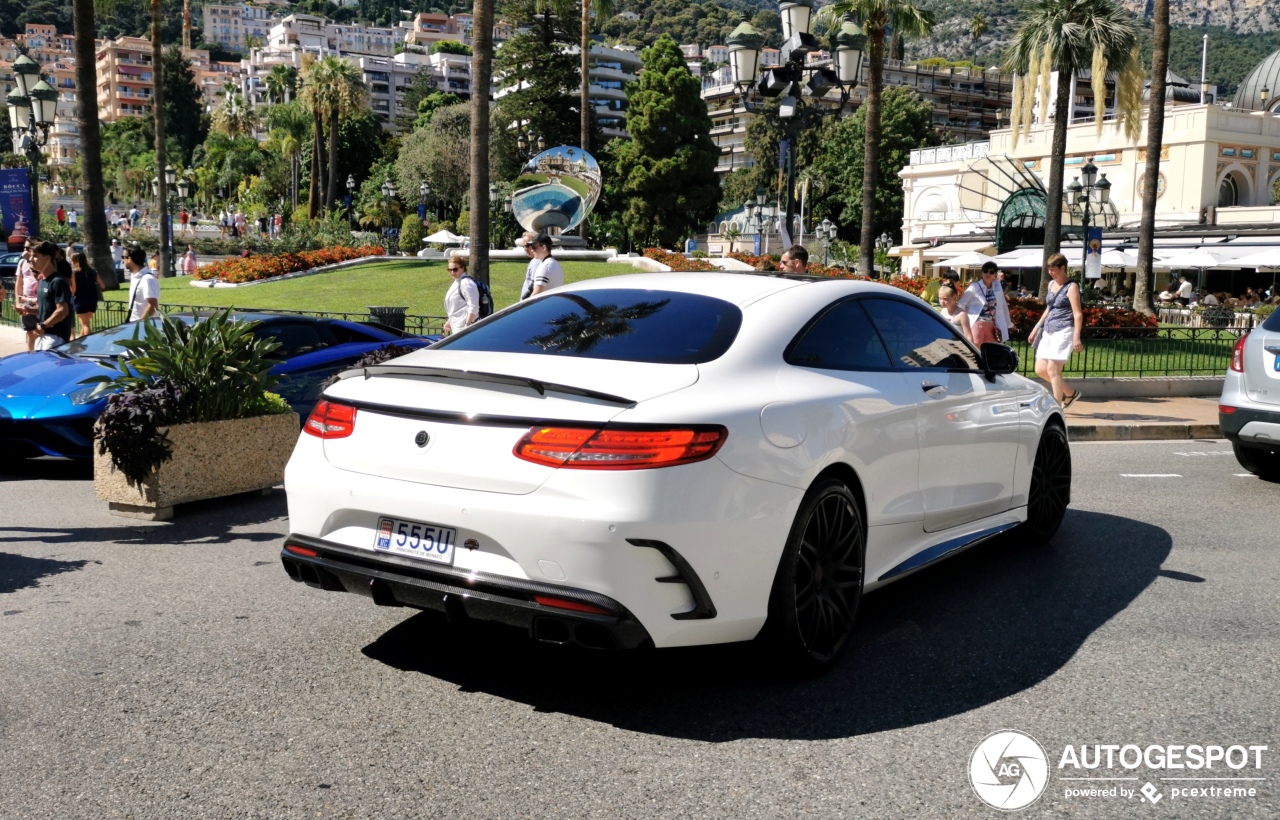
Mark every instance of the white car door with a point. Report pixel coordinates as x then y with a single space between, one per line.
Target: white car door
968 426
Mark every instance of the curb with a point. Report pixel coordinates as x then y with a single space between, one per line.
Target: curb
1141 432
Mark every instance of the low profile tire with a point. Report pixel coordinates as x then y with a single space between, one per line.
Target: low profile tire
1050 487
816 592
1263 462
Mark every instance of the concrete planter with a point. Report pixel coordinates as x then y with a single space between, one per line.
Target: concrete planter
209 460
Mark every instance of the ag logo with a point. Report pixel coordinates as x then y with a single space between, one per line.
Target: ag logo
1008 770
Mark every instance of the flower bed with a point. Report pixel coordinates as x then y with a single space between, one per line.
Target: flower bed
1127 324
257 268
678 261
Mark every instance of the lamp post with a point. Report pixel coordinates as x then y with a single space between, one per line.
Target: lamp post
826 234
526 141
1265 93
351 193
793 79
388 191
184 188
33 104
883 243
1086 198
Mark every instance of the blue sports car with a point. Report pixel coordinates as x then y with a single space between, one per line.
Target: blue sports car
45 410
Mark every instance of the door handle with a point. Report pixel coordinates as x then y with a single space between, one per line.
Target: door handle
934 390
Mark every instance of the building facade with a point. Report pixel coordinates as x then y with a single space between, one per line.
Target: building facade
234 27
125 78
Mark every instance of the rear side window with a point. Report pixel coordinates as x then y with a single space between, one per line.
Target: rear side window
842 338
1273 322
919 338
659 327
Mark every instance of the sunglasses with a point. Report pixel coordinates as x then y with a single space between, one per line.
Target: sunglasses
453 268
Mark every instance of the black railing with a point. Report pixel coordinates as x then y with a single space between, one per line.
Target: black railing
110 314
1130 352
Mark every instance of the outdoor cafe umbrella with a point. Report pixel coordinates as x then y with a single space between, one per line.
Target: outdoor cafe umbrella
444 237
1198 259
972 259
1261 259
1021 258
1115 258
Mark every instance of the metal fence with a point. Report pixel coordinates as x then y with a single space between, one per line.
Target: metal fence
110 314
1132 352
1219 317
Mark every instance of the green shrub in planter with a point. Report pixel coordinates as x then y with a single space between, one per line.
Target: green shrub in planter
176 372
1263 311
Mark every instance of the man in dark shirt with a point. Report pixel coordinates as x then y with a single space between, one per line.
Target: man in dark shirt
53 299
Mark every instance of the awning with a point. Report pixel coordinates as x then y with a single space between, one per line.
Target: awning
946 250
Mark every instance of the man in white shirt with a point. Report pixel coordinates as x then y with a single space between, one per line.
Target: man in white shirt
117 254
1184 292
988 310
144 290
548 274
73 219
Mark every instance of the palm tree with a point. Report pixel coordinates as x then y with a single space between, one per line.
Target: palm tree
347 94
313 98
906 20
977 26
1155 144
281 82
1066 36
481 79
290 124
233 117
604 10
157 111
95 220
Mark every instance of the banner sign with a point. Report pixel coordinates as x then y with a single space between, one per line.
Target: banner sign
1093 254
15 201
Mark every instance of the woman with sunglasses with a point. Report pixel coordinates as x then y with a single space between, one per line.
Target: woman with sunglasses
462 300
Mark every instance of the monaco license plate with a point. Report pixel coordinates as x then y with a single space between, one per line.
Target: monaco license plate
426 542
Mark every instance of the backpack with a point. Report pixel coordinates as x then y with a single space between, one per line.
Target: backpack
486 296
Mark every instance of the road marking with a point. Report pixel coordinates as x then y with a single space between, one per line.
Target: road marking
1150 475
1206 778
1243 475
1097 778
1211 453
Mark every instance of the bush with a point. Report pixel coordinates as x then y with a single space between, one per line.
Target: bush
677 261
1263 311
411 235
256 268
178 372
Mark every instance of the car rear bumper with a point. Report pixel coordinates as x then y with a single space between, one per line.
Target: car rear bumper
464 594
1249 425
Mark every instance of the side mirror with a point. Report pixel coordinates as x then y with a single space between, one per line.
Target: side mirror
998 359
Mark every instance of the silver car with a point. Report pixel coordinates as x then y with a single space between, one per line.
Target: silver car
1249 410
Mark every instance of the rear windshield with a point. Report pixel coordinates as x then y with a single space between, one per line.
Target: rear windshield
660 327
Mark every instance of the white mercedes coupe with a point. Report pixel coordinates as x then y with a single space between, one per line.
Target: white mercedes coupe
674 459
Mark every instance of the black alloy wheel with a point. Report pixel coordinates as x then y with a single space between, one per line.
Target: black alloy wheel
1050 486
1264 462
819 583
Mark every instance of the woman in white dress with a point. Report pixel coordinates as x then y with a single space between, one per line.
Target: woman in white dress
462 299
1057 334
952 312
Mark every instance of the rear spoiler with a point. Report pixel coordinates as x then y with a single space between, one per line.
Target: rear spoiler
540 387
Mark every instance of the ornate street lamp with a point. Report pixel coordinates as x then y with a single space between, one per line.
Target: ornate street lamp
388 191
794 79
1087 198
351 193
33 105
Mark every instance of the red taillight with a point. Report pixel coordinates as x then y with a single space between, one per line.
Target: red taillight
1237 355
612 448
576 606
1226 409
331 420
303 551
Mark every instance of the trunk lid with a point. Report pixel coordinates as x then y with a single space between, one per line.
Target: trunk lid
474 407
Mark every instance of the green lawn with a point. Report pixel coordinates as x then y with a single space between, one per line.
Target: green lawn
417 284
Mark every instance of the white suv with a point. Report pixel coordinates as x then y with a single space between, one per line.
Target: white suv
1249 410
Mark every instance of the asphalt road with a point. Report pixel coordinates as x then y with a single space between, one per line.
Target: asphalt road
173 670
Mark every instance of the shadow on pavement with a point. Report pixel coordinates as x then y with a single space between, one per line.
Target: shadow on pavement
973 630
46 469
216 521
20 571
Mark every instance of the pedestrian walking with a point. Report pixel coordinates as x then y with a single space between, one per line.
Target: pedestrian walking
184 220
462 299
189 261
988 310
547 275
61 216
73 219
26 288
54 319
795 259
952 312
117 254
86 292
1057 334
144 290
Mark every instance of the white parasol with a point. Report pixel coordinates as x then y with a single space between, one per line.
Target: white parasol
972 259
444 237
